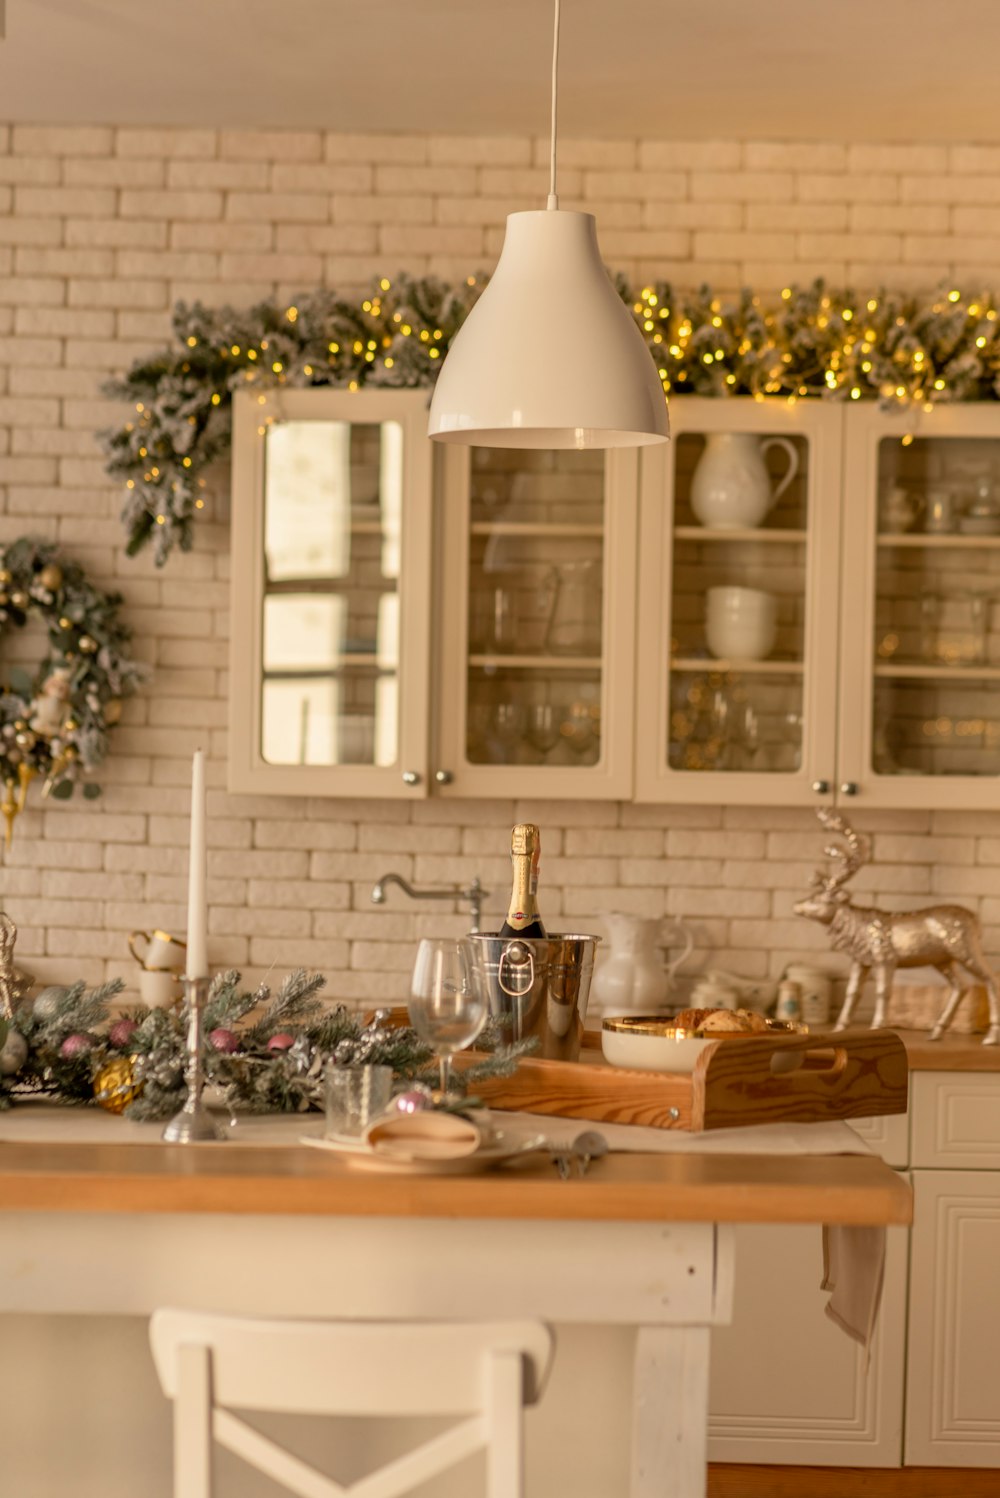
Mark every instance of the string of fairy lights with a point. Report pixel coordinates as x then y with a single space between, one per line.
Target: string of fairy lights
810 342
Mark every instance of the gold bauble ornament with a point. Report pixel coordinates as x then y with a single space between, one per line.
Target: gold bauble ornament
112 710
65 623
115 1085
70 725
19 600
51 577
88 644
6 576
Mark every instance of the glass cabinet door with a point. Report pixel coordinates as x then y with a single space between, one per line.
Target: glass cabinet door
537 618
920 684
331 592
739 538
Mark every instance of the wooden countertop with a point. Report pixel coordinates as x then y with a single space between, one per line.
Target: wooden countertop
856 1189
950 1053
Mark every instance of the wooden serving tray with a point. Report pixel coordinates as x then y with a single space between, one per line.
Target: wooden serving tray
854 1074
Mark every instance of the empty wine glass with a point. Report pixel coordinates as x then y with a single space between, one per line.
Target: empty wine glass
579 727
447 1004
541 727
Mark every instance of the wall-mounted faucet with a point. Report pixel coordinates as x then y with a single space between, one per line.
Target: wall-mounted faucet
475 894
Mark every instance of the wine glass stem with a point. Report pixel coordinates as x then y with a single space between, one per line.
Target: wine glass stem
445 1064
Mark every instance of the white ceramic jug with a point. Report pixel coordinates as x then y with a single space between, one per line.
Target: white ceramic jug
633 979
731 487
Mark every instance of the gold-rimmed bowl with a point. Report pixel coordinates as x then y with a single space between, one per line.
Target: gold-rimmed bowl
650 1043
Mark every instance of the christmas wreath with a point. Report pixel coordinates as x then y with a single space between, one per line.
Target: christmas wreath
55 722
812 341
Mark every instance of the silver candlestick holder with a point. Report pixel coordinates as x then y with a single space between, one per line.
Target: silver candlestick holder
194 1123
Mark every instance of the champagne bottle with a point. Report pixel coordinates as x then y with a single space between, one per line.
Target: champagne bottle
522 916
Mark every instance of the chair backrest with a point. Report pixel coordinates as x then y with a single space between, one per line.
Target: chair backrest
487 1371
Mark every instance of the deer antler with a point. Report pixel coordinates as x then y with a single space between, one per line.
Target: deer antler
850 857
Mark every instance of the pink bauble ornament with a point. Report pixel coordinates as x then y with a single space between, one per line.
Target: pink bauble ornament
411 1102
224 1040
75 1045
121 1032
281 1042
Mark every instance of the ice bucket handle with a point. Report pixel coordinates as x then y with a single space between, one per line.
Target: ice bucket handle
515 956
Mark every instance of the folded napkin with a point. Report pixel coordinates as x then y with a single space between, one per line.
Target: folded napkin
425 1136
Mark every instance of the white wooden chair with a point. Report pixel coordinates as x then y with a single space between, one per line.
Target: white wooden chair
487 1372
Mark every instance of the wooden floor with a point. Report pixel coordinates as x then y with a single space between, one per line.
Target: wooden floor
852 1482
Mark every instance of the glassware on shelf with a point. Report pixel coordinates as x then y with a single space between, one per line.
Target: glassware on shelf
542 727
574 626
448 1001
580 727
939 513
899 510
740 623
981 515
954 629
495 619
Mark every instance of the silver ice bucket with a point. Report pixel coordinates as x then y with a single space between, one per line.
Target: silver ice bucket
538 986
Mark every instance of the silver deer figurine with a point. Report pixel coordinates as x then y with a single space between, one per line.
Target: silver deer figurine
946 937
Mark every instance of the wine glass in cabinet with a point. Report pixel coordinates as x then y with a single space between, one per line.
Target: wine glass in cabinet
738 604
537 622
919 717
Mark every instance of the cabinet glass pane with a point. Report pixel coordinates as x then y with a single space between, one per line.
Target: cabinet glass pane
937 628
330 647
536 606
737 629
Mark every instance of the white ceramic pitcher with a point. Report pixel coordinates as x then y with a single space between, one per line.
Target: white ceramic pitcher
731 487
633 977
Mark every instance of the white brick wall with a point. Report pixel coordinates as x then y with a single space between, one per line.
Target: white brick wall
101 230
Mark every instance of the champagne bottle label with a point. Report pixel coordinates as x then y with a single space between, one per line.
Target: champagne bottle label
522 915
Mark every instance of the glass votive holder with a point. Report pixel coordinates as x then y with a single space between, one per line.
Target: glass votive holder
355 1096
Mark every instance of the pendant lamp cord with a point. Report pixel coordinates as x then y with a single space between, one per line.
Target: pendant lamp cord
553 200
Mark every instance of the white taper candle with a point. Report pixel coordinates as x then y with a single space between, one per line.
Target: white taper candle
197 931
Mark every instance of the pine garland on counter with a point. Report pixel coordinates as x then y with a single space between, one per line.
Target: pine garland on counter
811 342
264 1052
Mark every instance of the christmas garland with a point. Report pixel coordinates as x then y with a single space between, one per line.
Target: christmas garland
56 723
811 342
264 1053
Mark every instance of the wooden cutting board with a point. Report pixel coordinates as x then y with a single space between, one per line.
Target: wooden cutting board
735 1083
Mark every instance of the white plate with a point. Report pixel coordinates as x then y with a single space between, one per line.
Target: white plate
497 1152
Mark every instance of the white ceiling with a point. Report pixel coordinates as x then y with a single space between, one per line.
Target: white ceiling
894 70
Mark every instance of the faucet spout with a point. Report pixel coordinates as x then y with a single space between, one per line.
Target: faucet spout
474 895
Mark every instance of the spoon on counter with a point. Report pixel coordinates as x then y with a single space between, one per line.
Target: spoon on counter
588 1146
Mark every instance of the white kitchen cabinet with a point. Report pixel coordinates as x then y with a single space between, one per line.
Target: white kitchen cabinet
758 727
476 622
788 1387
919 707
952 1382
378 653
330 673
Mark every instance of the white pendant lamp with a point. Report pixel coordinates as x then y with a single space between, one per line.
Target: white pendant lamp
549 355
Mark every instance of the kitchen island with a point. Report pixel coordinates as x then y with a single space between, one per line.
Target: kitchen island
641 1250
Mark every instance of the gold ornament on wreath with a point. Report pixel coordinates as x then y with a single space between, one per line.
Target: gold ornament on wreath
55 721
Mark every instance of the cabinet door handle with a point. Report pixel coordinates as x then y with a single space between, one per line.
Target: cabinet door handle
410 777
848 787
443 777
821 787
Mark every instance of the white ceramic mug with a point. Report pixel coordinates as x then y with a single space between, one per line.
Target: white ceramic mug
158 951
740 623
158 989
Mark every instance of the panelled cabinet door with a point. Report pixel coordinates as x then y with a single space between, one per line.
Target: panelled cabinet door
738 599
920 664
331 593
952 1381
787 1385
537 612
